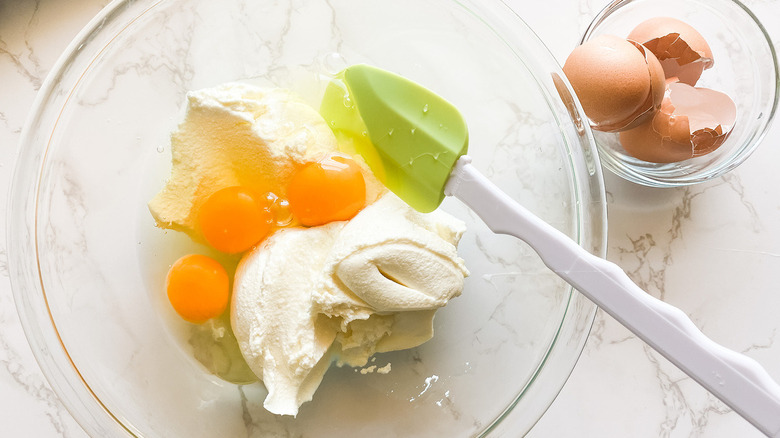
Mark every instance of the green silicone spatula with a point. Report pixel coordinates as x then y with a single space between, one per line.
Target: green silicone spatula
415 142
409 137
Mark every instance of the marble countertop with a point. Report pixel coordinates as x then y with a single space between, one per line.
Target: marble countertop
712 250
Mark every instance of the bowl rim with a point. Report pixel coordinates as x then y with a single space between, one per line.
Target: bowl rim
40 329
46 344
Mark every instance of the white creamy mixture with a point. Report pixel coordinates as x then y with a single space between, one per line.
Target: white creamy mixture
307 297
342 291
239 134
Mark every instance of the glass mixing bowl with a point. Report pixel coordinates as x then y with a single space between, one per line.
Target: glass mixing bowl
745 68
88 265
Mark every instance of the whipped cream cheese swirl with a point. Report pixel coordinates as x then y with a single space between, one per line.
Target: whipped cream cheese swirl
391 258
341 292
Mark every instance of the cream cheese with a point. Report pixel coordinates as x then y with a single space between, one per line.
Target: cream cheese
342 292
240 134
306 297
283 341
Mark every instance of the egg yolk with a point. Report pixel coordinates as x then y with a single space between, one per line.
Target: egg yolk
331 189
234 219
198 288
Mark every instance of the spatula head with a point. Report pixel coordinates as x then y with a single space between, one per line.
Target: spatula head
408 135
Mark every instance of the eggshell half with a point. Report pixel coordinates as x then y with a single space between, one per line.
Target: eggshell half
681 49
691 122
644 143
619 83
702 116
657 88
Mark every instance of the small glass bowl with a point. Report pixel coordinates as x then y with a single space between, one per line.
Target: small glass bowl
745 68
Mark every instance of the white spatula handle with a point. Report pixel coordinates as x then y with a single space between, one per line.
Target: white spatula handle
737 380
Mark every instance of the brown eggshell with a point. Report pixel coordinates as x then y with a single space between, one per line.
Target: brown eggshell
644 143
691 122
657 88
700 116
681 49
616 81
670 126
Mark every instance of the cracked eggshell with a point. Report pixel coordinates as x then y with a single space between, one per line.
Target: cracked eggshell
681 49
619 83
644 143
691 122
